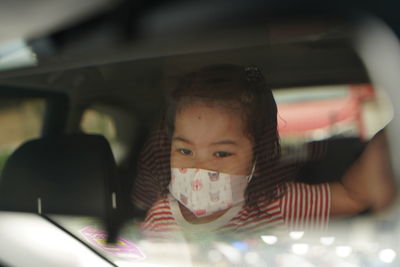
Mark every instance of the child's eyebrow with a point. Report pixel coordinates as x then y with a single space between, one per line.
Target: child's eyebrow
222 142
182 139
225 142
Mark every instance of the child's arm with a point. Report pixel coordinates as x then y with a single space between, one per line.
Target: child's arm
369 182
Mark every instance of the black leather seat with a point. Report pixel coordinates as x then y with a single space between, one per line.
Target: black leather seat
67 174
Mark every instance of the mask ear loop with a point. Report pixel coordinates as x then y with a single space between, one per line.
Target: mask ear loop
252 172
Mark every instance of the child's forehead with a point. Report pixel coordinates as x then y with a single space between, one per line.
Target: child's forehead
229 106
214 111
209 122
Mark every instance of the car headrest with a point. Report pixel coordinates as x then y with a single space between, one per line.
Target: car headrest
68 174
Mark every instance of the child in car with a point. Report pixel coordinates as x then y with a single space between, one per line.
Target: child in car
215 162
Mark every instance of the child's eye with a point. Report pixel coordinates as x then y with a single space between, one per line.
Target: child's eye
185 151
222 154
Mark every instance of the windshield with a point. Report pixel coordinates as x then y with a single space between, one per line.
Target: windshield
207 149
304 145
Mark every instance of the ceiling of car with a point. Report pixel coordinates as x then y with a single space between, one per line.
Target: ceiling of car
136 47
287 59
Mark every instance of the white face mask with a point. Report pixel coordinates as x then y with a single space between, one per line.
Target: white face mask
205 192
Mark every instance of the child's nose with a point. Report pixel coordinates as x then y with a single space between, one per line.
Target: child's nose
203 163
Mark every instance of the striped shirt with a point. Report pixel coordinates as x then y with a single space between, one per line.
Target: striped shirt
302 207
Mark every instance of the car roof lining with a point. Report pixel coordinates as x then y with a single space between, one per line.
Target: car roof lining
285 65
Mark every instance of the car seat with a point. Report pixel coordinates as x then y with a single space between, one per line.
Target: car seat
64 174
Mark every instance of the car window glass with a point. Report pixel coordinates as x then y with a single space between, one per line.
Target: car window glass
95 121
319 112
327 127
20 120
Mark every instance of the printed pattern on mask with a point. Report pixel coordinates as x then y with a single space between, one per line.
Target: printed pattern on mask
303 207
205 191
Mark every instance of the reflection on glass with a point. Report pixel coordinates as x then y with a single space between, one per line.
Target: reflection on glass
327 240
387 255
296 235
300 249
269 239
16 54
343 251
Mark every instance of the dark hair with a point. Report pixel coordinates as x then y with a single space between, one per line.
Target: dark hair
233 86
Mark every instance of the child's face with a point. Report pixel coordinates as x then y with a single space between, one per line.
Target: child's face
211 138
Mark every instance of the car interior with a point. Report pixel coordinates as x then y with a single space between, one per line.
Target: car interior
93 103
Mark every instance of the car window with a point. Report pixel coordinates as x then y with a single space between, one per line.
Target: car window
20 120
97 121
320 112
